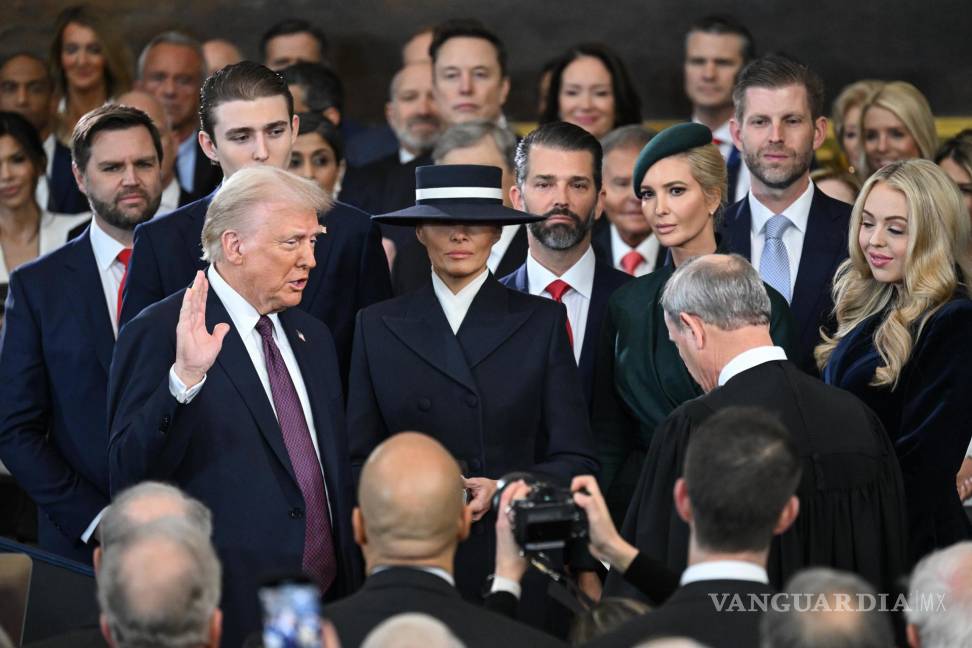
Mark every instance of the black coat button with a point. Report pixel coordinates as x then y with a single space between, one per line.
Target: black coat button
296 513
471 400
164 423
424 404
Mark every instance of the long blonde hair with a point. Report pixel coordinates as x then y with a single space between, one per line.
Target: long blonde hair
937 262
909 105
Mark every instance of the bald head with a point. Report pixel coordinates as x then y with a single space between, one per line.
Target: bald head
151 106
410 499
219 53
147 503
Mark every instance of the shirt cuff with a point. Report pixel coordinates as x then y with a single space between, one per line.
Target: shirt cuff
86 536
179 390
501 584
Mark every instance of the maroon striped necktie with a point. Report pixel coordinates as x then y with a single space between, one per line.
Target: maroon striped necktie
319 559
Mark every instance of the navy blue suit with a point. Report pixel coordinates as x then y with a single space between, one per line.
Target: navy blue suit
502 395
351 271
55 352
225 448
824 248
606 281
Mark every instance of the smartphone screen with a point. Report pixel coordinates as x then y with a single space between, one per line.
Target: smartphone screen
291 615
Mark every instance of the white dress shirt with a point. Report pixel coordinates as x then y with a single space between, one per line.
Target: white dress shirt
405 156
170 198
456 305
647 249
724 135
577 300
798 214
724 570
749 359
43 191
186 161
435 571
110 269
501 246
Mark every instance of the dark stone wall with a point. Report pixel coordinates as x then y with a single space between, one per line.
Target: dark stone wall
927 43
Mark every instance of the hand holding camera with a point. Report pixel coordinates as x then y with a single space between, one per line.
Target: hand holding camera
606 544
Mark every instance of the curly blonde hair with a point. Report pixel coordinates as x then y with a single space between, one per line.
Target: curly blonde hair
936 264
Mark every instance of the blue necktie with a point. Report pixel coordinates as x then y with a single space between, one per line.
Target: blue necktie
774 264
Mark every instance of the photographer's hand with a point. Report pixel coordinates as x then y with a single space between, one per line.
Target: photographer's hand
605 542
510 563
482 490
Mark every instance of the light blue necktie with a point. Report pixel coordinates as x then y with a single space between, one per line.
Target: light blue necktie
774 264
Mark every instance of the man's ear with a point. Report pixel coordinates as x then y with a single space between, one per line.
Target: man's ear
682 503
295 128
105 632
232 244
215 628
465 523
516 197
78 178
504 91
208 146
358 527
694 324
819 132
333 114
96 559
789 513
735 131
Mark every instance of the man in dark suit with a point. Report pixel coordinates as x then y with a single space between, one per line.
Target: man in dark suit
792 232
477 142
59 331
248 119
558 177
172 67
623 238
249 418
388 184
409 538
851 494
483 369
737 492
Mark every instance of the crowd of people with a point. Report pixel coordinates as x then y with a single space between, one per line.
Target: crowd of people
246 336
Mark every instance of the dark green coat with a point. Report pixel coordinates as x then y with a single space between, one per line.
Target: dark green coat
640 377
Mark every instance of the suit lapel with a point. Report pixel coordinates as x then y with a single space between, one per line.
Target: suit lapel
89 298
821 244
191 232
515 254
488 323
521 280
599 298
236 364
738 227
425 330
322 251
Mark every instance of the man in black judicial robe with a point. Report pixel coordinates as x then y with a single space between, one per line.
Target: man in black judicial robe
851 493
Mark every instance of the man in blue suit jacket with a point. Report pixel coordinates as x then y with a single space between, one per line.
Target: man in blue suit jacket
248 118
558 177
792 232
248 418
60 329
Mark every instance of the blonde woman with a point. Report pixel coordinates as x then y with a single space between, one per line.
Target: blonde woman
901 345
846 118
896 124
955 158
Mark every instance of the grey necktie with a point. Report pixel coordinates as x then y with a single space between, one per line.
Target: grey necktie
774 264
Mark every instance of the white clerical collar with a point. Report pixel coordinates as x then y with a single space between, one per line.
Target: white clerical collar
647 248
437 571
580 276
749 359
456 305
242 312
724 570
797 213
105 248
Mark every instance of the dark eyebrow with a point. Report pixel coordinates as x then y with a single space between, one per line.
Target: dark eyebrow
243 130
276 124
901 218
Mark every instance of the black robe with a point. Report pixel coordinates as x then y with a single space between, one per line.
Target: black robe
851 494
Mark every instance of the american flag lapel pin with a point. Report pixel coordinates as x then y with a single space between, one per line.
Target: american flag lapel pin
300 336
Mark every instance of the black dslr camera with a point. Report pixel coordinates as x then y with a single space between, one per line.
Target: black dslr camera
547 518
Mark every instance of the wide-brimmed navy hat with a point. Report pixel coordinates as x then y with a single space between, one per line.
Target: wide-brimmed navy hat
468 193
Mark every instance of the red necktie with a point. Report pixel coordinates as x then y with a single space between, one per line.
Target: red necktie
319 560
124 257
557 288
632 260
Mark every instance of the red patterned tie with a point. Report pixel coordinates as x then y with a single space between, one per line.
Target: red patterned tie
125 256
557 288
632 260
319 559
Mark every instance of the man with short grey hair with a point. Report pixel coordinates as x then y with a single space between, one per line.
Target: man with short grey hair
940 598
159 587
145 503
233 394
172 68
851 496
411 629
472 142
826 608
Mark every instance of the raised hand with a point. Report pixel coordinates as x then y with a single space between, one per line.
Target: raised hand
196 348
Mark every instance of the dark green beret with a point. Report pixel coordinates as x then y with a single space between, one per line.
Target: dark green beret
674 139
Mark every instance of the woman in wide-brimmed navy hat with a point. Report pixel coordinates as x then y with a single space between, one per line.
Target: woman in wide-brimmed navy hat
486 370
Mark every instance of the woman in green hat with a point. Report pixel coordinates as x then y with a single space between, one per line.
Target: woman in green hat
681 179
